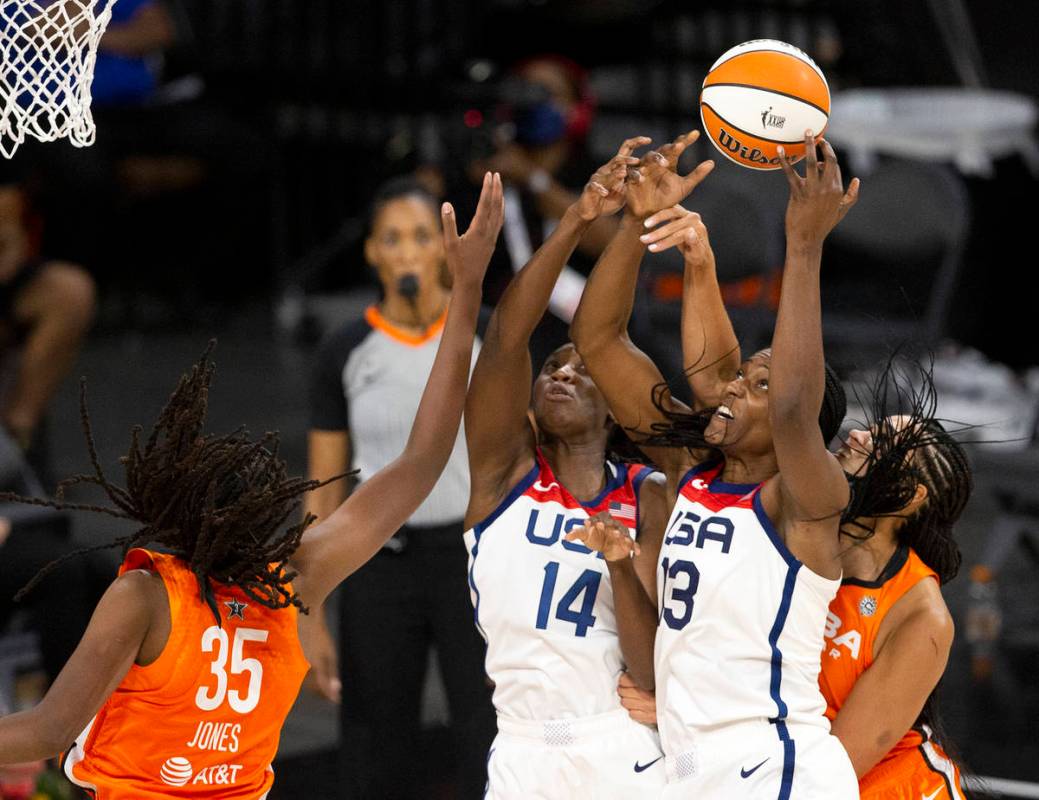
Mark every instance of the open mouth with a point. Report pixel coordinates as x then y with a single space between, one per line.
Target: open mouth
558 394
725 413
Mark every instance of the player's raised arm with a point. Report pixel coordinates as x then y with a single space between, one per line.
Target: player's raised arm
497 429
623 373
710 350
636 611
337 546
813 488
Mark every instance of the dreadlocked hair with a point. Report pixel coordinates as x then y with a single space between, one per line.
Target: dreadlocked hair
216 502
685 429
918 451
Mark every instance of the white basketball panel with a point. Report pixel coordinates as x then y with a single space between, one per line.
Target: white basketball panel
763 113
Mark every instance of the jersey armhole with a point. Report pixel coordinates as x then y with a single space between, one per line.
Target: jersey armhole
514 493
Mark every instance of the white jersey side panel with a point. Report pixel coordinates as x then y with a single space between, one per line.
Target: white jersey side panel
545 605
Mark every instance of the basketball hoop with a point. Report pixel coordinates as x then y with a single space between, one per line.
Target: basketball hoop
48 48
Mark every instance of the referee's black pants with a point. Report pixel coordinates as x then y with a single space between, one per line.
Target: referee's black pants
391 611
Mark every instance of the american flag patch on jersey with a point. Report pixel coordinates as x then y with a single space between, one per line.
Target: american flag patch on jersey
625 512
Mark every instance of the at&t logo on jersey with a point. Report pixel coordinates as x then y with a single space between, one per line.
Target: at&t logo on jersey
176 771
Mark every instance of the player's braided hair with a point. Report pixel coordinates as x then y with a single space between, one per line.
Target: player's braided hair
217 502
917 451
686 428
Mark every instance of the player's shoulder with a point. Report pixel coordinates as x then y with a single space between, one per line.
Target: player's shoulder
921 608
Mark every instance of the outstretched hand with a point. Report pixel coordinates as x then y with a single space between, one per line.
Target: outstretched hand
655 183
681 228
817 201
469 254
604 193
606 535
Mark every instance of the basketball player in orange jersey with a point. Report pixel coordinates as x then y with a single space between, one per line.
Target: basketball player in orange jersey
192 659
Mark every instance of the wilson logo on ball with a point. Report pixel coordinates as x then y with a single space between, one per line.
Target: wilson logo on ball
747 154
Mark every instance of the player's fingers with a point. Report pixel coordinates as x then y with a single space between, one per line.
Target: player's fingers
482 205
578 534
629 145
499 202
851 197
830 164
664 215
680 224
635 176
674 240
811 159
679 145
598 188
792 178
692 180
450 226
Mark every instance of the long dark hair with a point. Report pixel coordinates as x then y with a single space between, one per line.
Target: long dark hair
921 451
216 502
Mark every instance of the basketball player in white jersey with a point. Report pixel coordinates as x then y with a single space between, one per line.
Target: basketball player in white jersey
749 561
539 468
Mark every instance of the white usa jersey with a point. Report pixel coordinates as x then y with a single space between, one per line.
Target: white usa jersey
544 604
741 620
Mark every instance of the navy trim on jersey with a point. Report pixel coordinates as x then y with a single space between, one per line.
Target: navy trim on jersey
698 469
514 494
476 592
720 487
636 485
791 560
776 679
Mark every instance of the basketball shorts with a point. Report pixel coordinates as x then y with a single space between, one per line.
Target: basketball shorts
915 773
605 757
751 762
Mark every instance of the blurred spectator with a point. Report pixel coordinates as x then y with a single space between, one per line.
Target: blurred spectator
46 308
414 594
545 164
130 53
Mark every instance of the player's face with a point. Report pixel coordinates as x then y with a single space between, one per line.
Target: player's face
406 240
566 400
741 419
858 445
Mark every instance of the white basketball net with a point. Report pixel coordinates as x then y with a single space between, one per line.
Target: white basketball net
48 48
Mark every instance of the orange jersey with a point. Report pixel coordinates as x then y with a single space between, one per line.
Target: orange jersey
854 621
203 719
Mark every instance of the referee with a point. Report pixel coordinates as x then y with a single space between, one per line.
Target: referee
366 387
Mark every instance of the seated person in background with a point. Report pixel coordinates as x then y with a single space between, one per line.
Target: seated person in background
545 164
46 308
126 72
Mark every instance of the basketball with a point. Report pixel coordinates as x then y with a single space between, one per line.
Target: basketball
762 94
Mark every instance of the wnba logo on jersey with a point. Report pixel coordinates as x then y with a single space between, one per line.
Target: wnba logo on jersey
176 771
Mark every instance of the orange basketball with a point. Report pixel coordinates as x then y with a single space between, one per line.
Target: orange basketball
760 95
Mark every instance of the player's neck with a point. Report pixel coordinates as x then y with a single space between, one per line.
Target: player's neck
749 470
577 465
417 316
865 560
